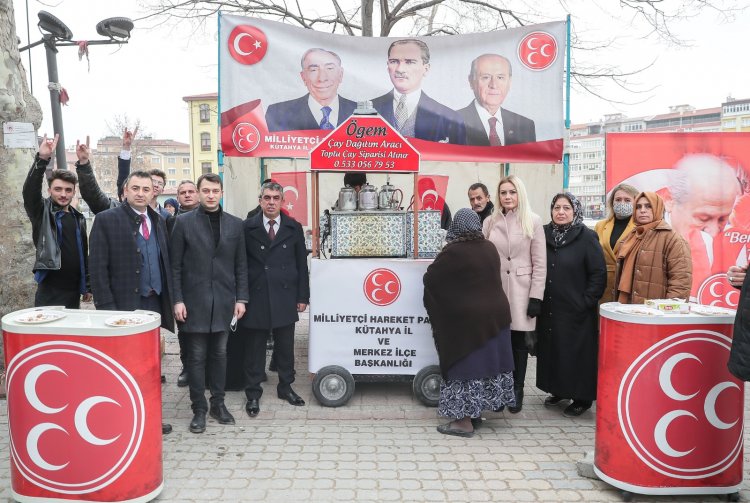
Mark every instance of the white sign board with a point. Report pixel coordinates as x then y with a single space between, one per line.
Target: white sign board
19 135
367 316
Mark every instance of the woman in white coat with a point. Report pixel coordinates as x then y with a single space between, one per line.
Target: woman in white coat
518 235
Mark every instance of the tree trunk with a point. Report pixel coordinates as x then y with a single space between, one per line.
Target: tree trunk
16 104
367 6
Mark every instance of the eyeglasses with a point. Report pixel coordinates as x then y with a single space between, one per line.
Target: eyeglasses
157 183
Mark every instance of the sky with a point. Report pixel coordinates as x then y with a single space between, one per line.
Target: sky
147 78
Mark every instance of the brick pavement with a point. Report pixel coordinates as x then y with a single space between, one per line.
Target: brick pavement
381 446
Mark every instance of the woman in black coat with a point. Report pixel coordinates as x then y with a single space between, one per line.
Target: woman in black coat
568 328
470 319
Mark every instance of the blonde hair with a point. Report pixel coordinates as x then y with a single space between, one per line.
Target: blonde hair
611 199
525 215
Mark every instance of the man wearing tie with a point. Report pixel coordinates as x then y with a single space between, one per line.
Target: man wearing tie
487 123
406 107
129 258
322 107
279 289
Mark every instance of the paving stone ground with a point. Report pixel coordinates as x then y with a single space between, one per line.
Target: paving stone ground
381 446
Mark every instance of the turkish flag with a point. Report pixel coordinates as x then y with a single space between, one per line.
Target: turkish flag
432 190
295 194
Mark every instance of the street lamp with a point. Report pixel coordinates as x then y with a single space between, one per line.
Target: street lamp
56 34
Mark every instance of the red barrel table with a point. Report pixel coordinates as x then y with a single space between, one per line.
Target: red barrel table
84 404
669 415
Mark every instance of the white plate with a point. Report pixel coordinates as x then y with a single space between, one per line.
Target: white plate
128 320
39 316
710 310
639 310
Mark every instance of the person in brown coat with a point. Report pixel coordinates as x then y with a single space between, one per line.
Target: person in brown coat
653 262
470 319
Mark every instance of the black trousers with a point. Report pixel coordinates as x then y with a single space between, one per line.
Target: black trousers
520 358
255 359
47 295
206 348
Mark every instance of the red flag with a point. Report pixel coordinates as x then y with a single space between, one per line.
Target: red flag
295 194
432 190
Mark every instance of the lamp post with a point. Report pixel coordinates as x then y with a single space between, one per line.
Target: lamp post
56 34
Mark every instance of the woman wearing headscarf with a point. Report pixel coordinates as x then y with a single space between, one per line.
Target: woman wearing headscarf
518 237
470 320
653 262
568 328
614 229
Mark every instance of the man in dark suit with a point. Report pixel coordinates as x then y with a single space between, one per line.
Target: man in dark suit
487 123
209 272
407 108
322 108
279 289
128 256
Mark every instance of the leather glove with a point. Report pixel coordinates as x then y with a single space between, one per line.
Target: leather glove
534 309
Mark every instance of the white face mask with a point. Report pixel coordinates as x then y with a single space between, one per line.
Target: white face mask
622 209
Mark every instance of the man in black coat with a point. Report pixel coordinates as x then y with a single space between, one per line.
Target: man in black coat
279 290
91 193
209 271
487 123
129 259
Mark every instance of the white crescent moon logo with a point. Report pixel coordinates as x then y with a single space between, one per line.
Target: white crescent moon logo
292 189
374 296
236 44
542 52
32 446
375 279
81 420
530 43
709 406
29 386
660 433
428 192
387 290
665 376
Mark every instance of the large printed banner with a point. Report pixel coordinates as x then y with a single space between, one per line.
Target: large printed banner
481 97
704 179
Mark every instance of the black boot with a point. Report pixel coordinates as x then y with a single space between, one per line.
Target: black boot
520 361
519 402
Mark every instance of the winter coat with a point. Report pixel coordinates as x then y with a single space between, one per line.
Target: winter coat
464 299
568 328
739 355
41 210
92 194
523 263
208 278
115 261
604 230
277 273
663 269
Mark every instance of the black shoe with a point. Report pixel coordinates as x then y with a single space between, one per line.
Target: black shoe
221 414
553 400
252 407
166 428
265 377
476 422
515 409
292 397
182 379
198 424
575 409
272 366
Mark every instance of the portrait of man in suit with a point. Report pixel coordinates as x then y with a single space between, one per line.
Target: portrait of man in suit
322 107
406 107
487 122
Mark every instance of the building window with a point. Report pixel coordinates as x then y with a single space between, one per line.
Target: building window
205 167
205 114
172 183
745 122
730 124
185 160
172 171
171 160
154 160
205 142
186 171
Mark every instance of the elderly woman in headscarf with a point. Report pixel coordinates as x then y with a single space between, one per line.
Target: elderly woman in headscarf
653 262
470 319
568 328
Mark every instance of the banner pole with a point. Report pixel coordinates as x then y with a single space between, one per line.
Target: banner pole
566 154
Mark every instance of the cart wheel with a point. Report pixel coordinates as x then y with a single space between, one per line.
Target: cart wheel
333 386
627 496
733 496
426 385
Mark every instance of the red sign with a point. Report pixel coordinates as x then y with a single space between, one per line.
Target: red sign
382 287
364 143
537 50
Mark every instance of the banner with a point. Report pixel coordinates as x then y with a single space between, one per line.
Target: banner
704 179
295 194
481 97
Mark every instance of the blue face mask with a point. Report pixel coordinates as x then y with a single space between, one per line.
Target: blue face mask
622 209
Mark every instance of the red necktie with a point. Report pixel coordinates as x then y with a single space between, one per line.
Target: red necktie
144 227
494 137
271 232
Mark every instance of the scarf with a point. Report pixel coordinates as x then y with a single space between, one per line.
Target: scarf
559 231
465 221
627 250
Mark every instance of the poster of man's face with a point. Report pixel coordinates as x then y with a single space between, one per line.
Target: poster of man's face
322 74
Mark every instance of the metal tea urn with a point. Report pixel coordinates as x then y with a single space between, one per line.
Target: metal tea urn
347 199
368 197
388 198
